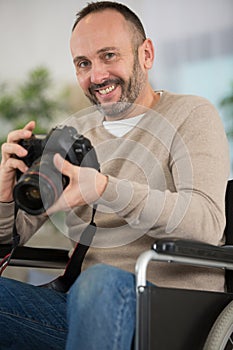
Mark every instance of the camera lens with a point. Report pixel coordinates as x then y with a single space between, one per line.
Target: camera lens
39 187
31 195
34 194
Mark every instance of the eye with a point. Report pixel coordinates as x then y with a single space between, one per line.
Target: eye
82 64
109 56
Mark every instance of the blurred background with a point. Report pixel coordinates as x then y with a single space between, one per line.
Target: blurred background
194 55
193 42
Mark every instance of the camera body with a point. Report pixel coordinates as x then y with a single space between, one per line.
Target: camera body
38 188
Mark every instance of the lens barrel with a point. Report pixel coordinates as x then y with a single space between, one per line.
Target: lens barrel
39 187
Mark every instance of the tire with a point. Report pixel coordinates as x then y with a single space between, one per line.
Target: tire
220 336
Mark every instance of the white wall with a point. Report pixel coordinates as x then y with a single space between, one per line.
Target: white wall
176 19
36 32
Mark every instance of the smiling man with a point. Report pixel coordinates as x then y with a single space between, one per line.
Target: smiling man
112 68
161 174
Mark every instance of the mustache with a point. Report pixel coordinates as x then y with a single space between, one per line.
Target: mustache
107 82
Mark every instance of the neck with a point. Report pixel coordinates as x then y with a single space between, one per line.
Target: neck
145 101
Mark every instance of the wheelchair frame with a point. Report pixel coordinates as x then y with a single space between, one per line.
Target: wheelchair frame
152 330
209 312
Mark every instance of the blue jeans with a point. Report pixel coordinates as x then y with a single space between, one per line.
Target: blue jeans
98 313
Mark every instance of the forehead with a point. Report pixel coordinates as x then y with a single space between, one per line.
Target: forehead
107 28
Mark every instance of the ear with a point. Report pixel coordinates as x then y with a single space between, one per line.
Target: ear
147 54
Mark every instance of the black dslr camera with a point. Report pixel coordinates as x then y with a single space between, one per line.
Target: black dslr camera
38 188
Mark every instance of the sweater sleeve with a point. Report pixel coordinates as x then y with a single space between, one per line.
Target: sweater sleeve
26 224
6 222
199 166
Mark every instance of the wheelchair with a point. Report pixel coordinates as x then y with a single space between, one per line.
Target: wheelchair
169 318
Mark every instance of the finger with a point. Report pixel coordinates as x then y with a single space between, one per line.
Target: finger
26 132
30 126
13 163
13 148
9 149
63 165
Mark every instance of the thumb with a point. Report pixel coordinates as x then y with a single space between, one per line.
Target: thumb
30 125
62 165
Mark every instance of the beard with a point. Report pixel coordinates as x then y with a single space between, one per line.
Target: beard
130 91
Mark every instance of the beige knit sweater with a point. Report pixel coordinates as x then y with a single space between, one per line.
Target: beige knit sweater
167 178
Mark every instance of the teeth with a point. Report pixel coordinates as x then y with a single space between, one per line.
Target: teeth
106 91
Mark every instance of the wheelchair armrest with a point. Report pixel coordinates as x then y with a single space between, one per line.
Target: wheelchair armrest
183 252
36 257
193 249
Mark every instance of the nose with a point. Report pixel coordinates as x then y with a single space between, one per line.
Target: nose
99 73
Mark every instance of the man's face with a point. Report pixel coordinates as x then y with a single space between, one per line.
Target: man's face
107 68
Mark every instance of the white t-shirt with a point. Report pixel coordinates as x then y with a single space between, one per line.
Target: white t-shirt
119 128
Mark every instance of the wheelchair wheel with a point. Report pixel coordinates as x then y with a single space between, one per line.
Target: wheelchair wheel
221 334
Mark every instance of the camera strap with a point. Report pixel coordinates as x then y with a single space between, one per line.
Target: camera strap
74 265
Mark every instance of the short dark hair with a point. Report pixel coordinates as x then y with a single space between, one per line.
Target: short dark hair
128 14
